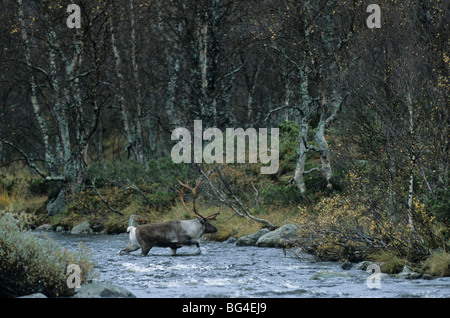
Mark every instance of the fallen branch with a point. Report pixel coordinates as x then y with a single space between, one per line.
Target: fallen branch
231 200
31 164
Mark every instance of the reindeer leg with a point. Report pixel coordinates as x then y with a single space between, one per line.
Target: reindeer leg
191 243
145 249
133 244
128 249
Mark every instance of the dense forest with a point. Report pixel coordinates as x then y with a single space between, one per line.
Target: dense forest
362 112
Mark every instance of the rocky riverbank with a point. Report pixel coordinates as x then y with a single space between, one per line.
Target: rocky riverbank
94 290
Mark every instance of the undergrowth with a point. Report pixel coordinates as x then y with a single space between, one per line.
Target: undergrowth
29 264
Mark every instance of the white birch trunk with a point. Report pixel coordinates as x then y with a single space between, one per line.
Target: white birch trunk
324 151
59 109
305 106
413 159
301 155
34 101
139 104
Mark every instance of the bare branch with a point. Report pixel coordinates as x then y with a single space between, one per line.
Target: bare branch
311 170
231 200
104 201
230 73
275 110
31 164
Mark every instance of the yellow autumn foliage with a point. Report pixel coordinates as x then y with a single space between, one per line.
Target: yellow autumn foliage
6 199
339 228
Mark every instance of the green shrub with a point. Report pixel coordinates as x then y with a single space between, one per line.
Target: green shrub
439 204
390 262
29 264
161 171
155 186
282 195
116 224
161 200
438 264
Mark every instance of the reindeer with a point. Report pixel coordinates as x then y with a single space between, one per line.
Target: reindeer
173 234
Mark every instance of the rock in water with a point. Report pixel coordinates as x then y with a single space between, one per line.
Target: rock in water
134 220
346 266
82 228
363 265
250 240
44 228
408 273
35 295
102 290
328 274
284 236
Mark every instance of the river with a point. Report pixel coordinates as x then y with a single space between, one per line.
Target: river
227 270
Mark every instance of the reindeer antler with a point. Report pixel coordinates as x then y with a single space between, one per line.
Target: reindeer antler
194 193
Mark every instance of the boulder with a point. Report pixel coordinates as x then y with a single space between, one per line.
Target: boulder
98 227
57 204
44 227
427 277
134 220
408 273
231 240
102 290
346 266
363 265
250 240
82 228
35 295
328 274
284 236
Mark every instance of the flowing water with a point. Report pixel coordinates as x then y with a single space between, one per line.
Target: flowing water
227 270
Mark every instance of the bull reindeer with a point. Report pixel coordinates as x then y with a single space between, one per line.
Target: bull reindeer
173 234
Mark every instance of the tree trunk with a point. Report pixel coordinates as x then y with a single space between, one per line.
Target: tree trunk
324 151
413 159
141 151
133 148
33 85
301 155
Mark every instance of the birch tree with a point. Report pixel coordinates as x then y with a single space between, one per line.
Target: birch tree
203 31
397 98
315 49
64 81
